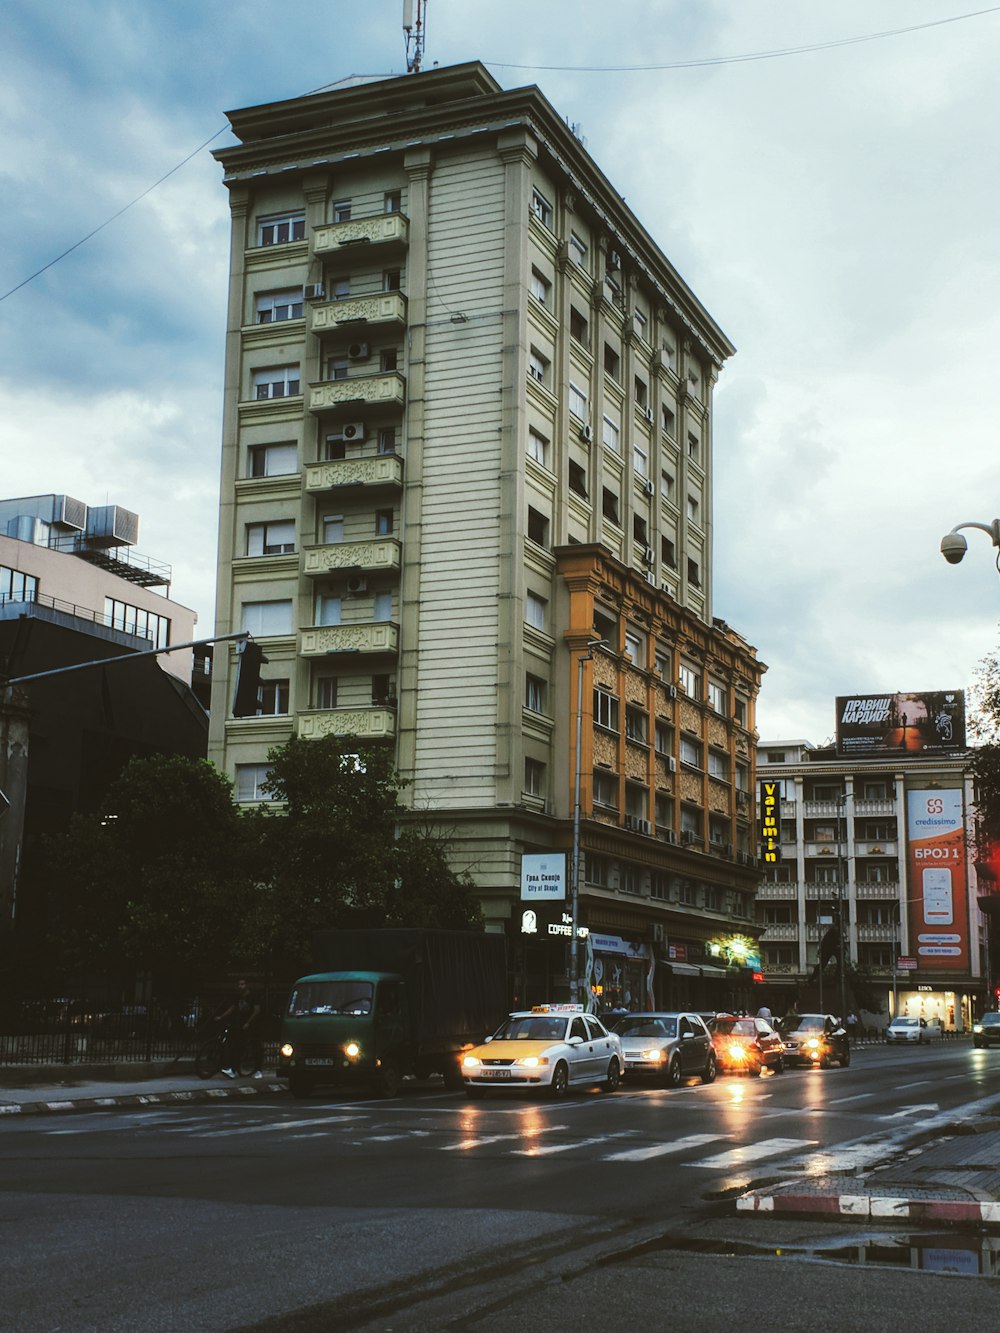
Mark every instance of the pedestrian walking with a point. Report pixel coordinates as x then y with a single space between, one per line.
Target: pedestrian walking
852 1028
244 1015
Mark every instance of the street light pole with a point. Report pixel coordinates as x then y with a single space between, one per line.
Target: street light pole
842 903
574 951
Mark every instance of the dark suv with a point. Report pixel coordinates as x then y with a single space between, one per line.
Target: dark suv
815 1040
986 1029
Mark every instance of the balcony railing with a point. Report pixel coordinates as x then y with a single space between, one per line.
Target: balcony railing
322 640
877 934
779 934
876 889
822 809
378 470
373 723
345 315
879 807
772 892
876 847
385 230
381 553
387 389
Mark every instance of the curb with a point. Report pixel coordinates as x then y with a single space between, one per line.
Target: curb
192 1096
851 1207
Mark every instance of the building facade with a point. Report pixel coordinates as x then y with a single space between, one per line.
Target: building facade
468 430
856 858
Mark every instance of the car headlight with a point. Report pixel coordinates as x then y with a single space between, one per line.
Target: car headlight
659 1055
813 1043
287 1051
532 1061
736 1051
977 1027
471 1062
352 1050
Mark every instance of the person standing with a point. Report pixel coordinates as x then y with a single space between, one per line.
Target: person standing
852 1028
243 1014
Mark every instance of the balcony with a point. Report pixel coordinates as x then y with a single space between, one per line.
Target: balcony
382 390
372 723
323 640
827 850
779 934
876 847
375 556
386 231
822 809
822 891
880 807
771 892
876 889
383 309
878 934
379 471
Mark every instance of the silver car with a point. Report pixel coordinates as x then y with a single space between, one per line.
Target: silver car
906 1029
668 1047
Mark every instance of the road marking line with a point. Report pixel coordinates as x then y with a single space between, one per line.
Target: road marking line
920 1083
546 1150
858 1097
483 1140
275 1125
752 1152
660 1149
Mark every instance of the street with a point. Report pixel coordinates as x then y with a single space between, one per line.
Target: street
432 1210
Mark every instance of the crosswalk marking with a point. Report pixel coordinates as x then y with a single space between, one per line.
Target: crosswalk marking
484 1140
547 1149
752 1152
661 1149
277 1125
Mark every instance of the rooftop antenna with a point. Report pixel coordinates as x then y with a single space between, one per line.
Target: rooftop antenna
416 33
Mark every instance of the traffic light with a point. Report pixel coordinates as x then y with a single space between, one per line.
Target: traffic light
246 697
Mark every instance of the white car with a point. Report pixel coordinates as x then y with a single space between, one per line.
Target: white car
550 1047
906 1029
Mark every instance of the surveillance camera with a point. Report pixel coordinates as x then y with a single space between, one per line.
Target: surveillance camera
953 547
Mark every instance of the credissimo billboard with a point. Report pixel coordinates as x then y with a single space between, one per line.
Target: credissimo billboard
939 900
872 724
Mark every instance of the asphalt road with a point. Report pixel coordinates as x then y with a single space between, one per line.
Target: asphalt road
343 1212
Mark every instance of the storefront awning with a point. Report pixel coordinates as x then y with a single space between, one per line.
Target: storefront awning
685 969
707 970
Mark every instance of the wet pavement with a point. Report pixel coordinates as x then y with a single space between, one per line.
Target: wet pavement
55 1089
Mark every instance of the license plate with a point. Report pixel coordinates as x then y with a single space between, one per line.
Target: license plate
316 1060
495 1073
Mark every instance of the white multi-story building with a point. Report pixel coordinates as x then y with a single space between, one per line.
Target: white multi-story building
468 429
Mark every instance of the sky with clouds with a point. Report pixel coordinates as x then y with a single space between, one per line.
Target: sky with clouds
836 210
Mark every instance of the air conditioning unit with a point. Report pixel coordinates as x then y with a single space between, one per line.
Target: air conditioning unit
727 850
636 824
671 764
671 691
649 555
687 837
668 835
614 259
586 433
659 933
354 430
650 578
649 415
313 291
648 487
357 352
665 586
357 584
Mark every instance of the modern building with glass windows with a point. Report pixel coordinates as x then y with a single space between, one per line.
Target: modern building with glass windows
468 430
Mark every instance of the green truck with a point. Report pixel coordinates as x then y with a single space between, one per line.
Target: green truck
384 1004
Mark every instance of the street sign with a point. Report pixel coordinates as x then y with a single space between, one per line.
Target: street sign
906 964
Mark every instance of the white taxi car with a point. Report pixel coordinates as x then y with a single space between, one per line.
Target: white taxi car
550 1047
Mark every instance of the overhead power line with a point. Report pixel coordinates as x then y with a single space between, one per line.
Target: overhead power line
774 54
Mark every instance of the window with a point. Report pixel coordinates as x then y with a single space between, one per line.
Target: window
666 485
339 289
262 618
538 527
382 607
387 440
605 710
383 522
717 697
383 690
663 738
606 627
537 446
605 789
273 698
578 326
333 529
693 447
134 620
392 280
535 608
662 661
657 879
687 894
250 779
691 820
640 530
277 382
577 250
641 391
280 228
534 694
388 359
392 201
577 401
342 210
612 363
636 725
640 459
713 896
276 538
669 420
534 777
597 870
578 479
740 711
875 791
326 692
16 586
693 508
538 366
328 609
541 208
690 752
541 288
635 646
336 368
775 756
718 765
272 460
609 506
273 307
610 435
694 574
640 323
668 553
688 677
334 447
631 879
742 777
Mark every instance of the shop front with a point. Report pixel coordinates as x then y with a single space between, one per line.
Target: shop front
949 1010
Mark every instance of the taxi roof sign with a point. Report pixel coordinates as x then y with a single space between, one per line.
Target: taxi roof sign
557 1009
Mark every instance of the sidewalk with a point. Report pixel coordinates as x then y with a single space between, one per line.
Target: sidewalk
54 1089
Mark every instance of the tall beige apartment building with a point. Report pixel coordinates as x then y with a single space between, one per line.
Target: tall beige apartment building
467 432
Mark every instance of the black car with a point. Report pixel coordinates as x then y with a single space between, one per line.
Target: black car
817 1040
986 1030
